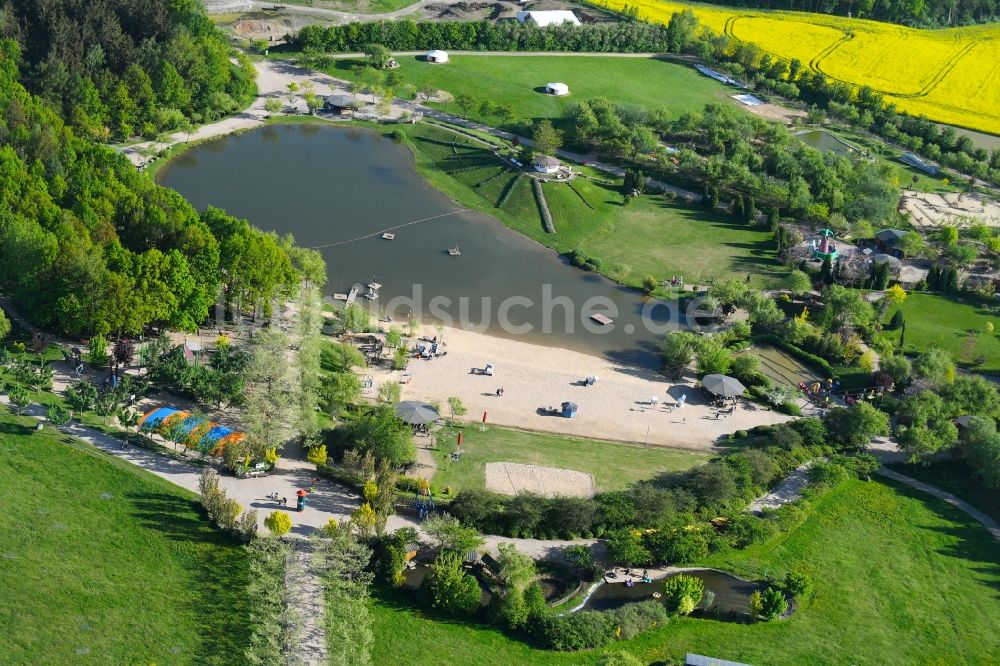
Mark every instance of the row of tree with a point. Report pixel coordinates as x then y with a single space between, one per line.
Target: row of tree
408 35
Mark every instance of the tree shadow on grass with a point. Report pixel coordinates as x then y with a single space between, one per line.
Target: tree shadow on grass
218 564
973 542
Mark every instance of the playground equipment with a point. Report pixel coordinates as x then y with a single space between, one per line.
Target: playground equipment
185 428
824 248
424 500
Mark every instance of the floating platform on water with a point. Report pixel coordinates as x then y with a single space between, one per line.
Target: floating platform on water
601 319
455 252
388 236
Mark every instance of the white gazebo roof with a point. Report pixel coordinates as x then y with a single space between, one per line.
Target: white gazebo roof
557 88
546 18
437 54
546 161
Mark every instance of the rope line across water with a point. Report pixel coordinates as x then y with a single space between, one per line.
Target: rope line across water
398 226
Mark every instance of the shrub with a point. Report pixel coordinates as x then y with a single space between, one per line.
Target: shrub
827 473
682 593
57 415
633 619
798 583
626 547
789 408
576 631
448 588
896 322
279 523
769 604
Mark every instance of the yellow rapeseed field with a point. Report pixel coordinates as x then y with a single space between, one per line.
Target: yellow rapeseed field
950 75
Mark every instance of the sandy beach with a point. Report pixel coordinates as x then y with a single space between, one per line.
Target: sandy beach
618 407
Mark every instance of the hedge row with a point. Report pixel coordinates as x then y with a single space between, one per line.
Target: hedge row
407 35
543 206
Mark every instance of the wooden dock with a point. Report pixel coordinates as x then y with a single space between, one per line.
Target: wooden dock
353 294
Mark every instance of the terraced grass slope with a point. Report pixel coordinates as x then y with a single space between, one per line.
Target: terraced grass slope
949 75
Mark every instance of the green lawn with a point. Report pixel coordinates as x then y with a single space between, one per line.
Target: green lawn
104 563
958 479
900 578
650 236
955 325
520 82
613 465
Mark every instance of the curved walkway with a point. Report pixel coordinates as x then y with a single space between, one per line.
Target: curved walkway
991 525
329 501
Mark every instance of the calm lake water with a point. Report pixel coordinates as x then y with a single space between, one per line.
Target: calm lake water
329 185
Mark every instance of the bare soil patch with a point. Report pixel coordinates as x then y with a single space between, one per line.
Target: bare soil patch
513 478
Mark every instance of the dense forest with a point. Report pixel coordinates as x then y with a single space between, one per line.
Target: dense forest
120 68
87 243
920 13
406 35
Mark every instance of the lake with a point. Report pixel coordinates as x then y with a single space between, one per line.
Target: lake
338 188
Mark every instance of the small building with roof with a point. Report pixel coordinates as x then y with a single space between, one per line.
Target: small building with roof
890 241
544 19
437 56
557 89
340 105
545 164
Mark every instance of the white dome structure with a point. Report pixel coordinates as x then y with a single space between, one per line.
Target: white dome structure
437 56
557 89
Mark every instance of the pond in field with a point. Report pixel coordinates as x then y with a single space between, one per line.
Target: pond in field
337 189
729 595
826 142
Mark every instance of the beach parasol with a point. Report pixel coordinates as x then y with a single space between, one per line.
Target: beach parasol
723 385
416 413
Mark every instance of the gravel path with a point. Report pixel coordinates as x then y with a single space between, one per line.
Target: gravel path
306 644
789 490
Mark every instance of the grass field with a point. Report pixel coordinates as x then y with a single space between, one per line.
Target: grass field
613 465
958 479
104 563
950 75
650 236
957 327
520 82
900 578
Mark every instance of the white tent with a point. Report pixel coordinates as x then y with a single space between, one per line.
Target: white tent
437 56
559 89
545 19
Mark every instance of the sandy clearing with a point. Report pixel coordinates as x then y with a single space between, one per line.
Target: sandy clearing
513 478
534 376
931 210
